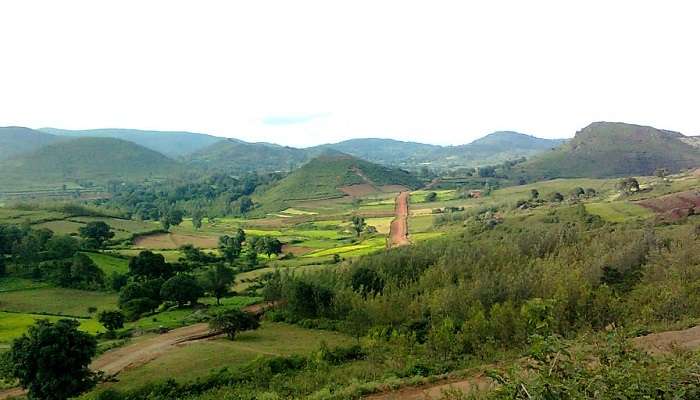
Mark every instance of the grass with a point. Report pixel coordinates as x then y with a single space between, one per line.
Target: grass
381 223
185 316
618 211
352 250
109 264
63 227
13 325
12 283
422 223
56 301
199 359
419 196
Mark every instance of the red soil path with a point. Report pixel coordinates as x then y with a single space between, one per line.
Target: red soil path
398 233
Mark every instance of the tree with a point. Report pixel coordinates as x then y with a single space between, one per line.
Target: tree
556 197
590 192
197 216
233 321
112 320
217 281
577 192
230 247
245 204
271 246
431 197
252 253
149 265
51 360
358 224
170 218
96 233
534 194
140 297
181 289
628 185
366 281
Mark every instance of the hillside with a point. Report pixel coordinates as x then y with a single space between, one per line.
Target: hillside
238 157
608 149
86 159
15 140
492 149
172 144
333 175
382 151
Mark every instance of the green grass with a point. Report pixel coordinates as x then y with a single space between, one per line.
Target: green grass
56 301
352 250
199 359
419 196
13 325
63 227
422 223
109 264
618 211
14 216
11 283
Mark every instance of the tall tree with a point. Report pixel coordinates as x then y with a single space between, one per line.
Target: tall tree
358 224
149 265
96 233
217 281
51 360
230 247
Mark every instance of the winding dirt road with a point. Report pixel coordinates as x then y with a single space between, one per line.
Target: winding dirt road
398 232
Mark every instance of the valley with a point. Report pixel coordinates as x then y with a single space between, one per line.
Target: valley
364 279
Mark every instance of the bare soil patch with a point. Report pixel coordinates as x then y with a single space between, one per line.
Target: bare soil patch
471 385
360 190
665 342
674 206
296 250
163 241
393 188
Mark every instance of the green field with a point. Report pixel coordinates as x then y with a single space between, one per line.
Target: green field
10 283
618 211
109 264
56 301
13 325
199 359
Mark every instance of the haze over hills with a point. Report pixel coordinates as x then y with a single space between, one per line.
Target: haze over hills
238 157
333 175
86 159
172 144
607 149
16 140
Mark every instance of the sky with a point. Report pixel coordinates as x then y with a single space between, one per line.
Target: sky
303 72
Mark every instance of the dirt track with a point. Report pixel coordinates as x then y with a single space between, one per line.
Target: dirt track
398 233
133 355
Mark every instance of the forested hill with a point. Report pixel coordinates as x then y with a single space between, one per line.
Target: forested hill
87 159
607 149
172 144
15 140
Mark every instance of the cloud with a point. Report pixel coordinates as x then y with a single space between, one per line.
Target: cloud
293 119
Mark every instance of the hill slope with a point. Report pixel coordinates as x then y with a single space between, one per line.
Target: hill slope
325 176
238 157
492 149
15 140
172 144
608 149
382 151
86 159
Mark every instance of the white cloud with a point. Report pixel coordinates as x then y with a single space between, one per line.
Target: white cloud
439 71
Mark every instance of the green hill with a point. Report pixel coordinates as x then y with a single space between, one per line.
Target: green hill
172 144
97 160
15 140
382 151
609 149
325 175
238 157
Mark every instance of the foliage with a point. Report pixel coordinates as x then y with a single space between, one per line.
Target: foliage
111 319
217 281
149 265
232 322
96 233
181 289
51 360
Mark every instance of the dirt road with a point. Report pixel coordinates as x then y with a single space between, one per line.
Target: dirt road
141 352
398 233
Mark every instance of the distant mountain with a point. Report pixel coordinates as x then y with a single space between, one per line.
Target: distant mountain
96 160
491 149
333 175
15 140
172 144
382 151
609 149
238 157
